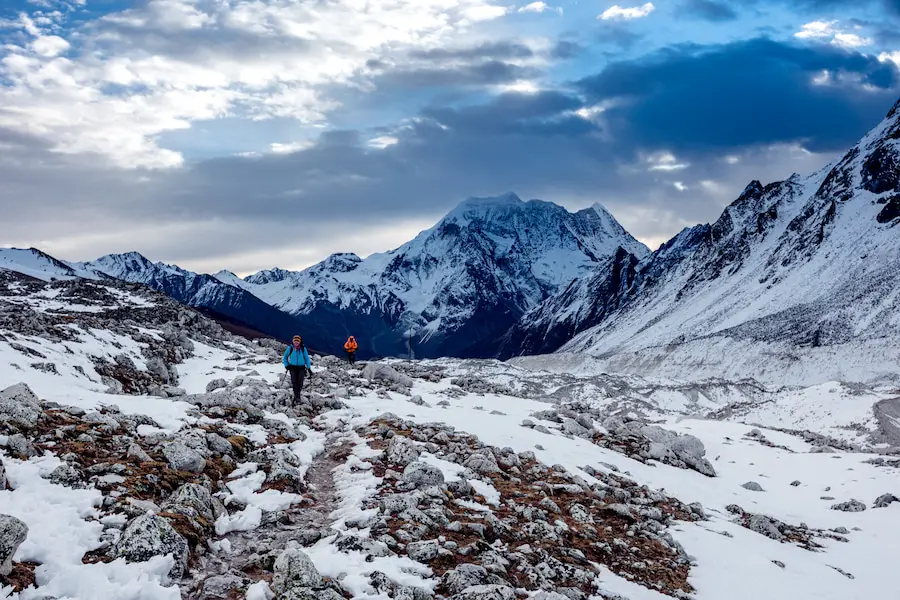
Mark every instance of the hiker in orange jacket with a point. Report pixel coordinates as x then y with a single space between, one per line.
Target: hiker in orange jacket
351 346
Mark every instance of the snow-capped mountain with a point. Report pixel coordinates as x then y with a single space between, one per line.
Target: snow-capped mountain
457 287
796 278
231 305
40 265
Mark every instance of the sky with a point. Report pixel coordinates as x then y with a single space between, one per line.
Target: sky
248 134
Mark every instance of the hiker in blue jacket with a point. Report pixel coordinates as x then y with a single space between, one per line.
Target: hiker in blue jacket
296 361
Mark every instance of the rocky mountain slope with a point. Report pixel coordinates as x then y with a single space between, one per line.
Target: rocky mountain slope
793 275
147 454
231 305
457 287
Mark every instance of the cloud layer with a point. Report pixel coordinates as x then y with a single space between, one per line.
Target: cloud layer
325 127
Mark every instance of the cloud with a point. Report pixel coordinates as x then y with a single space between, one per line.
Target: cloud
164 65
828 31
539 7
617 13
711 10
744 93
628 136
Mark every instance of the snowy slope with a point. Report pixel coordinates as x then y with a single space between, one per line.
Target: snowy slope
459 285
804 266
34 263
519 478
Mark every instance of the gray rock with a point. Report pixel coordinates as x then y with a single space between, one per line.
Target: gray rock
183 458
150 535
418 401
421 475
135 451
486 592
675 449
466 576
310 594
795 483
67 475
764 526
293 571
218 445
19 445
383 372
216 384
191 499
219 586
12 533
423 551
849 506
402 451
885 500
4 484
752 486
19 405
483 463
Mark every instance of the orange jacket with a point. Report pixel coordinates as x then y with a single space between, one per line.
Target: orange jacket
351 345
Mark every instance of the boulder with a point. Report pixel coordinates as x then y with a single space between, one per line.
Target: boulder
885 500
402 451
295 571
384 372
422 475
12 533
423 551
150 535
183 458
20 406
752 486
849 506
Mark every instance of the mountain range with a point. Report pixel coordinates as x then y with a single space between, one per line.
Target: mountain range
809 262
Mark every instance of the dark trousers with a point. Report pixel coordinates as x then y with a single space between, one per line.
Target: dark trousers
298 374
351 356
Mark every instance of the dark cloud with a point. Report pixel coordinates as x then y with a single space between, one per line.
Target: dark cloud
492 50
745 93
711 10
489 72
565 49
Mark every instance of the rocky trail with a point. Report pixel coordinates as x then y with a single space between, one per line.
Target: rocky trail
148 455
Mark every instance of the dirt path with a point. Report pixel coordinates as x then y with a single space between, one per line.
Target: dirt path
305 523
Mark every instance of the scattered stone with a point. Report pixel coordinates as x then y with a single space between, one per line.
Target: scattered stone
885 500
12 533
849 506
752 486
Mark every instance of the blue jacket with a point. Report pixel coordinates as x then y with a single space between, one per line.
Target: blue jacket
296 358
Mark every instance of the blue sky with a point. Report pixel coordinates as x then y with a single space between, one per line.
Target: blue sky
250 133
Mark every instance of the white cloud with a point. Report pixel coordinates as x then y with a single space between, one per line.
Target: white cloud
680 186
831 31
520 87
893 57
289 148
664 161
617 13
382 142
49 45
160 67
539 7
